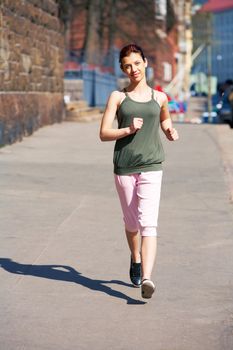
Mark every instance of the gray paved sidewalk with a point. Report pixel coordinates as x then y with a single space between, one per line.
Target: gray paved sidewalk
63 255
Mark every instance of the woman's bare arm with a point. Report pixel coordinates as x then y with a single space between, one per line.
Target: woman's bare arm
107 132
166 122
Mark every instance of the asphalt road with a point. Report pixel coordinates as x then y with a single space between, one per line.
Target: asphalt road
64 260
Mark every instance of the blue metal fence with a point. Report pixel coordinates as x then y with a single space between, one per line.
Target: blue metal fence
97 86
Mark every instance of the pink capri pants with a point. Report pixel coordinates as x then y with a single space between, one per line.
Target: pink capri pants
139 196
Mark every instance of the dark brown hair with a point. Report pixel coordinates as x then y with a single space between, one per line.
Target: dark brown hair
128 49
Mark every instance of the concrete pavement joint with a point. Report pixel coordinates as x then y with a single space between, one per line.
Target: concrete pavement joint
59 228
52 236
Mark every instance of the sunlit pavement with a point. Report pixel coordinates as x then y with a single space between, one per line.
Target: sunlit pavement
64 260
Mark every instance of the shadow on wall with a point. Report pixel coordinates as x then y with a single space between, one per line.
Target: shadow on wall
22 114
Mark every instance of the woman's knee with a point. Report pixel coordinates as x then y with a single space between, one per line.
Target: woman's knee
150 231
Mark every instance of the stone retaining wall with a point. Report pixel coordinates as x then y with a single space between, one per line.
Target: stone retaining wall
31 67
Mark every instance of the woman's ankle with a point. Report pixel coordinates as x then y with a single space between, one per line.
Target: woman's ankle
146 277
136 258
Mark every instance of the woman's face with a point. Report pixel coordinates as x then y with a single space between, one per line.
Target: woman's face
134 66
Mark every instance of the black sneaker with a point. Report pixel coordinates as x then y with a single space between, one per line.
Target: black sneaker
135 273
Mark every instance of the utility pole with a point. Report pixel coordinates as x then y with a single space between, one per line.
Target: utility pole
209 63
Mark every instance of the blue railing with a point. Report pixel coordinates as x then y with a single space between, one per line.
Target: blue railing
97 85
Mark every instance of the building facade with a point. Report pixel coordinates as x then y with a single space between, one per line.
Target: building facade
220 36
161 27
179 86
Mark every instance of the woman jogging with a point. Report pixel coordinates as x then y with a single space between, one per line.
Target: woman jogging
138 157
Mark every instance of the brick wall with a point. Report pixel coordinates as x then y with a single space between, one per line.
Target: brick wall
31 67
130 27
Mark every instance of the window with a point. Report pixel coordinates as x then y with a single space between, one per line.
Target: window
167 71
160 9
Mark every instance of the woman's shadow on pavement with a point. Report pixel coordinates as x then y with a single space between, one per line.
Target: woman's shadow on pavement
67 274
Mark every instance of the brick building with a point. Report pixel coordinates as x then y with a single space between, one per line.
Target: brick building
31 67
156 26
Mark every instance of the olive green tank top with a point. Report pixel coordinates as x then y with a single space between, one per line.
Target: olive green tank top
143 150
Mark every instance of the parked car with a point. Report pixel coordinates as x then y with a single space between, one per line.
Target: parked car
226 111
